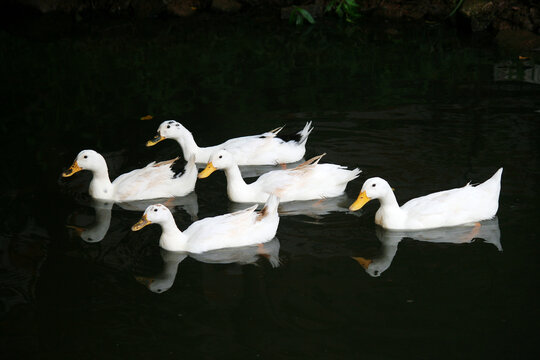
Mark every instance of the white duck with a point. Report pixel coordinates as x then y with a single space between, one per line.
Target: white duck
241 228
262 149
155 180
445 208
307 181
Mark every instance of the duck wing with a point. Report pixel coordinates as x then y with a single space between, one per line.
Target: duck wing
448 208
141 183
229 230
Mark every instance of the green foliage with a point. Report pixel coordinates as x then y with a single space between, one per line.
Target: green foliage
298 15
345 9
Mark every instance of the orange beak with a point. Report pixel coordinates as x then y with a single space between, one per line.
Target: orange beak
207 171
155 140
360 201
141 223
72 170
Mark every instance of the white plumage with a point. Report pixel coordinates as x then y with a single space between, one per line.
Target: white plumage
241 228
263 149
445 208
155 180
307 181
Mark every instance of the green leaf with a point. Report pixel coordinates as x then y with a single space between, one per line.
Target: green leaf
339 11
307 15
292 17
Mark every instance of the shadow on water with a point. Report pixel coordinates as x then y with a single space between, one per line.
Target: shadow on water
241 255
487 230
416 105
98 228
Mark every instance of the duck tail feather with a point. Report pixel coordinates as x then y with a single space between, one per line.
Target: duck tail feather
304 133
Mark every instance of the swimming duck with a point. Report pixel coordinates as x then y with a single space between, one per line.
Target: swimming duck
241 228
263 149
445 208
307 181
155 180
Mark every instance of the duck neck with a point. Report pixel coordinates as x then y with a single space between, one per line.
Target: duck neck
389 214
172 238
188 145
237 189
101 186
389 201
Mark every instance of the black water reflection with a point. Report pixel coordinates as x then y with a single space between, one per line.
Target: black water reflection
526 71
315 209
243 255
487 230
97 229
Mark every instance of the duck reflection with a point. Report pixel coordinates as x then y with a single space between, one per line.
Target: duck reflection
487 230
526 71
238 255
97 231
315 209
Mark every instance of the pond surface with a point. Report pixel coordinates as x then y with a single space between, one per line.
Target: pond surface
418 106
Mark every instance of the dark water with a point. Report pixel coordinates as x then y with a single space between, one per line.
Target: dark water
419 106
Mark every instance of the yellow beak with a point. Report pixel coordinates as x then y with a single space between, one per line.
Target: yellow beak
360 201
155 140
207 170
141 223
72 170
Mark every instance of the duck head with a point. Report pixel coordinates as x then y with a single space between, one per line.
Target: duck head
373 188
86 160
168 129
219 160
154 214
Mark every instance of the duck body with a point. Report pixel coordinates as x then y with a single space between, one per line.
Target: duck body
444 208
155 180
307 181
241 228
263 149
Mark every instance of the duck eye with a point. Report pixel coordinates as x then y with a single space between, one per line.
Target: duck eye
168 126
85 156
155 209
220 156
373 185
